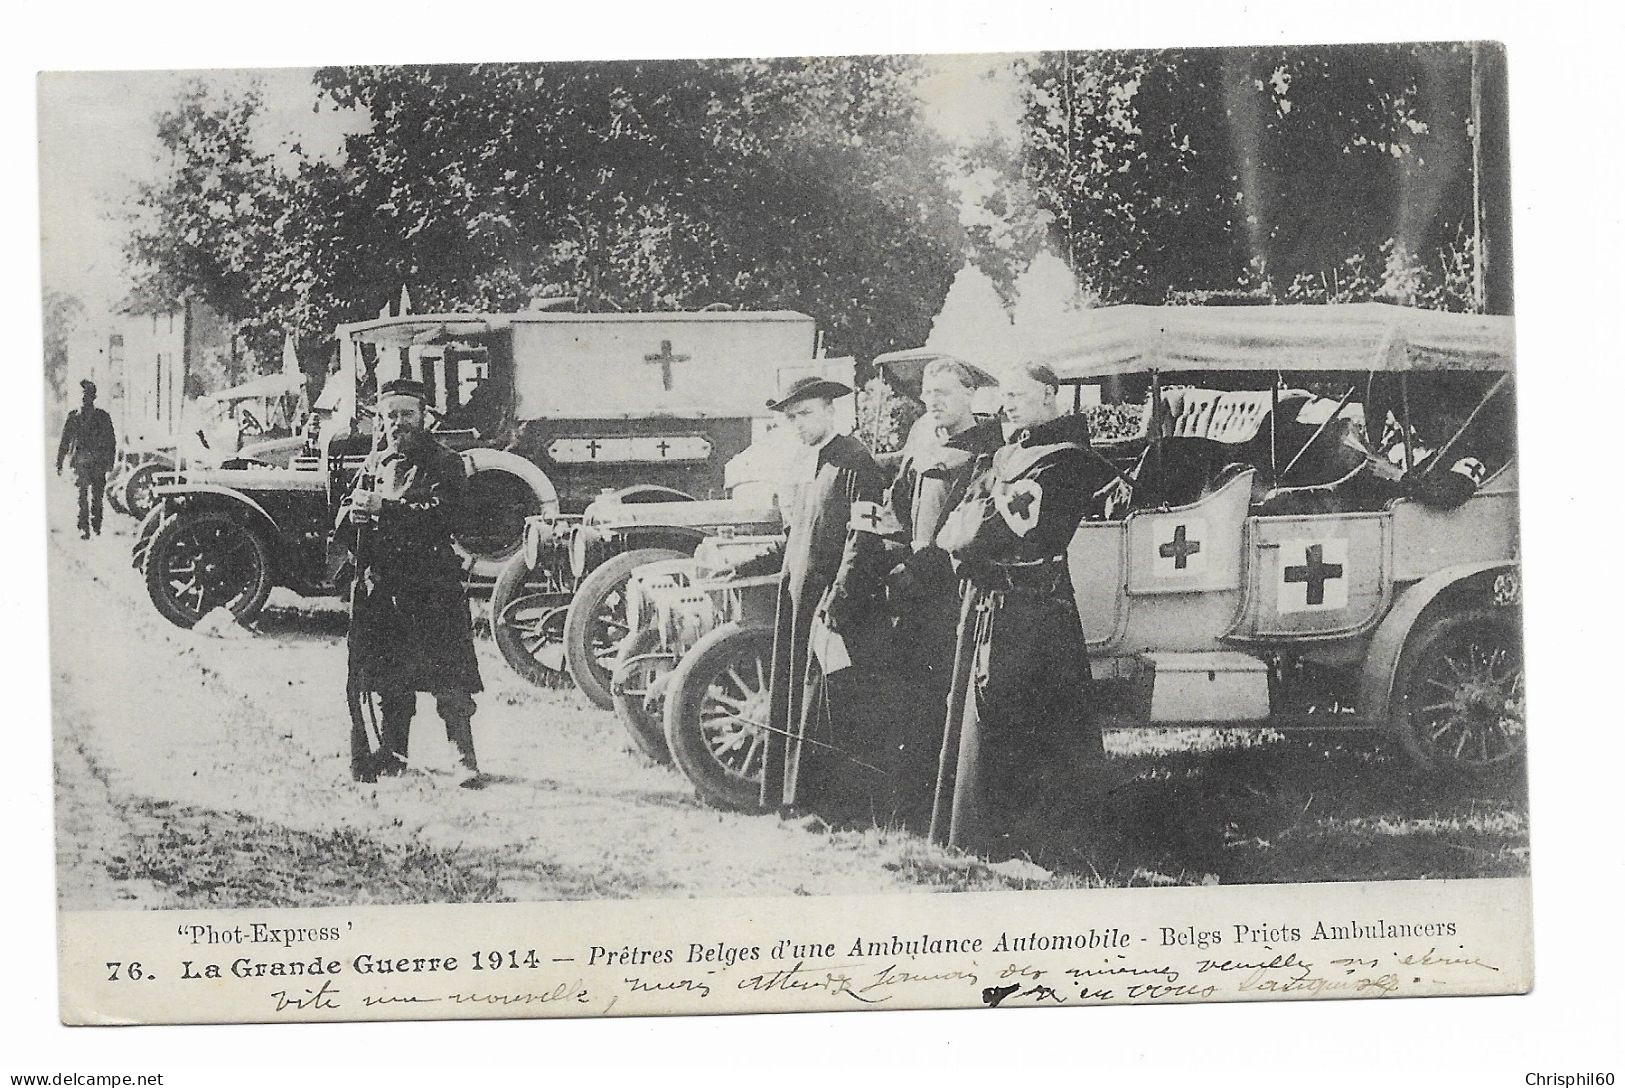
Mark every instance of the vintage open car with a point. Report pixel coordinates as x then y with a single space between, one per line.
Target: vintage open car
561 603
557 606
550 410
698 654
1313 525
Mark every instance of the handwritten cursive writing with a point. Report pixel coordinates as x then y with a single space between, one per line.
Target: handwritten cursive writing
893 975
832 979
324 998
1428 959
691 985
1316 985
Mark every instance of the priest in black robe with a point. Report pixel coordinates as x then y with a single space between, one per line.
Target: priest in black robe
805 768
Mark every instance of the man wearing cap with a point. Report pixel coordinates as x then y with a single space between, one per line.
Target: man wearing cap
409 623
1020 721
801 769
892 557
88 445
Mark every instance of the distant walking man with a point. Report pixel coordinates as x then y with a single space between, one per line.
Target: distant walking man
409 624
88 445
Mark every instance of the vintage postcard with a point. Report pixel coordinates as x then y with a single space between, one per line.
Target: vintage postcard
865 532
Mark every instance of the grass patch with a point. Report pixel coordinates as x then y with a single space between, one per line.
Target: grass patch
1257 809
206 858
1237 806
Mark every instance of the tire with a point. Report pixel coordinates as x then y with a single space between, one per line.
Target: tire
138 497
114 492
527 622
596 622
711 741
635 673
223 560
145 532
1458 696
503 490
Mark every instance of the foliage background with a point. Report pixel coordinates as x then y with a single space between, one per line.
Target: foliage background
1257 175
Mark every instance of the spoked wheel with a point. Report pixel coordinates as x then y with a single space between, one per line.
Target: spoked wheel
198 563
528 607
138 485
1459 694
717 708
114 491
640 668
597 622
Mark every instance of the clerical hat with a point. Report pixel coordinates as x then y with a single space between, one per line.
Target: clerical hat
807 387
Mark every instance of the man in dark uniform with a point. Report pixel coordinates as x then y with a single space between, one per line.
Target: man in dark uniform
409 623
893 554
1020 720
88 445
807 717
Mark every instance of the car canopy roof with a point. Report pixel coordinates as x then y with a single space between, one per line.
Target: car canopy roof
421 329
266 385
1330 337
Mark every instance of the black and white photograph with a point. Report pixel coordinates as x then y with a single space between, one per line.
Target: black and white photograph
910 477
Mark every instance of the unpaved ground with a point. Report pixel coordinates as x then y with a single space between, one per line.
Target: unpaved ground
197 771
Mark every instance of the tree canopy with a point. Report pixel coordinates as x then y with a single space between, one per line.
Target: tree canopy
806 184
1331 172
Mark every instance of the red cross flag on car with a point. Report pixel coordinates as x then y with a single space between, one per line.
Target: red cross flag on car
1177 547
1313 576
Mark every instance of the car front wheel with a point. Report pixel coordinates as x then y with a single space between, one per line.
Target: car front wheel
198 563
596 622
1458 702
717 709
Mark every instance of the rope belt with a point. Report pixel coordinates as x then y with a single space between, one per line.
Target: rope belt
1038 576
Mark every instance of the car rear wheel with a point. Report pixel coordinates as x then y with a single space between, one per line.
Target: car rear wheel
717 708
1458 703
640 666
138 496
528 606
596 622
114 491
197 563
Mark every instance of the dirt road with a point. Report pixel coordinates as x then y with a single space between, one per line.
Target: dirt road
202 771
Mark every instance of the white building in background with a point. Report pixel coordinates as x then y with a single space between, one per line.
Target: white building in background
141 364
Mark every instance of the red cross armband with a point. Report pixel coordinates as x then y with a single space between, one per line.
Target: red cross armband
873 517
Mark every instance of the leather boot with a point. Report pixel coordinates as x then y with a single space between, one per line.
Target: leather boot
460 732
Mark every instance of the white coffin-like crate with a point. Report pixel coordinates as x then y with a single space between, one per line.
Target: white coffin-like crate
1219 686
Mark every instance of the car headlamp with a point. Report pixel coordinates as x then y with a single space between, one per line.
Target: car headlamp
580 542
532 545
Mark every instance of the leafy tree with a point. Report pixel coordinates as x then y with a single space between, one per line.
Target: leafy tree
212 226
63 312
1168 173
802 184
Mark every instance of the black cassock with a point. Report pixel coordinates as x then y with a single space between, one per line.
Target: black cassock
409 624
912 589
1021 728
802 767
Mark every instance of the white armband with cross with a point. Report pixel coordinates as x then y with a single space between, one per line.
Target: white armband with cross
873 517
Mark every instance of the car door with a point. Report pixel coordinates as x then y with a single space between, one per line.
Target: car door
1315 576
